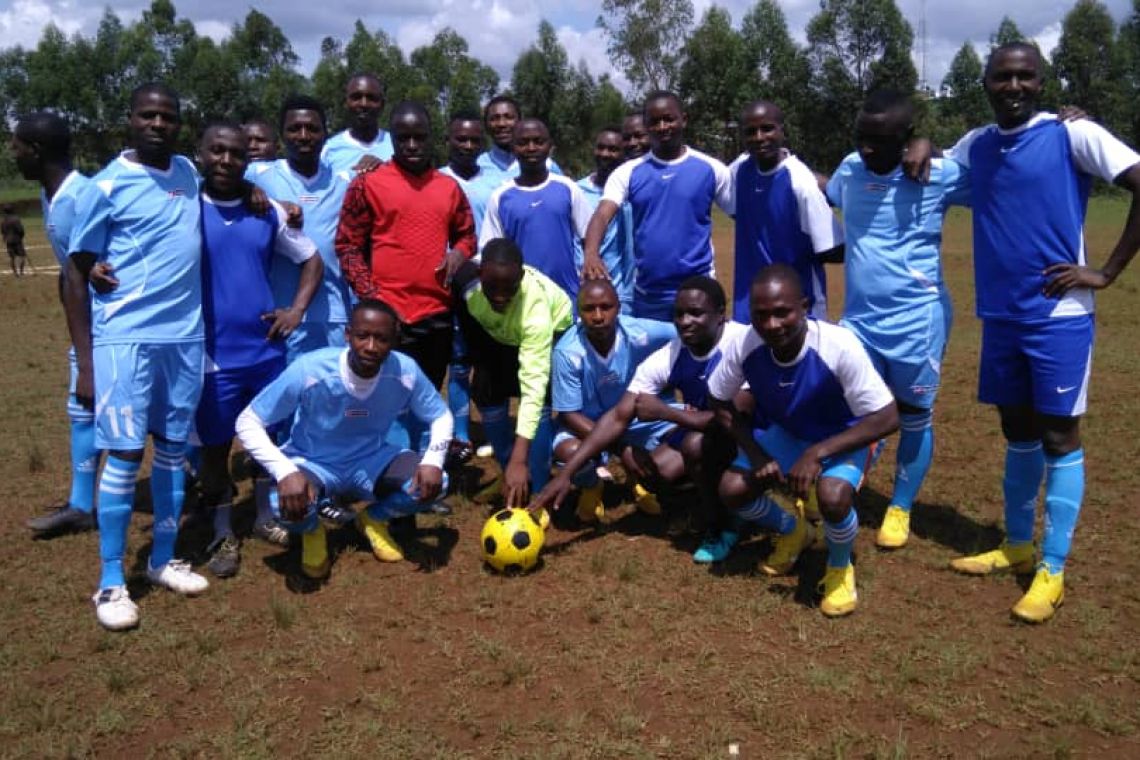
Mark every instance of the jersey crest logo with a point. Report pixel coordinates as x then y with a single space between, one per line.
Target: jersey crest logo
175 193
308 198
875 187
355 413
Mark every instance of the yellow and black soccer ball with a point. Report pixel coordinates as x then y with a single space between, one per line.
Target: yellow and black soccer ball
511 541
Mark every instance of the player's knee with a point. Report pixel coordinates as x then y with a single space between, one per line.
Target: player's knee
1019 424
1060 440
565 450
835 498
734 489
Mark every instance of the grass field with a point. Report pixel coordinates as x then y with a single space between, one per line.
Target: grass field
619 646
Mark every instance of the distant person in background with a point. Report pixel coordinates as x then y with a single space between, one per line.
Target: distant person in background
617 245
12 229
363 144
261 136
634 136
500 116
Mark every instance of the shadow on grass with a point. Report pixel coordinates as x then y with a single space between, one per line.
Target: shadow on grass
941 523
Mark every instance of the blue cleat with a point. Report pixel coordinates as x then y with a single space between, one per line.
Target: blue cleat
716 548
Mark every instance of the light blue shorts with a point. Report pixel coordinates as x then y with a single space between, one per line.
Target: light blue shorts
641 435
145 388
354 479
785 448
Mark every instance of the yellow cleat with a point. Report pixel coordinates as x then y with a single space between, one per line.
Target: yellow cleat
645 500
315 553
787 549
384 547
1044 596
895 530
810 507
590 506
1015 557
839 595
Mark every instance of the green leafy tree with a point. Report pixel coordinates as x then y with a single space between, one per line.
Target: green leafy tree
714 79
645 38
1127 72
778 68
964 97
1006 33
1084 60
540 75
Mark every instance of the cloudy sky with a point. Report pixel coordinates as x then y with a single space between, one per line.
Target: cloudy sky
497 30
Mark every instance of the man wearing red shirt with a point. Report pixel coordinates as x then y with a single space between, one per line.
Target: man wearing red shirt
404 230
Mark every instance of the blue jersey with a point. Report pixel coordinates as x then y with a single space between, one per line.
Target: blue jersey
617 245
821 393
145 223
1029 189
337 416
61 212
672 216
781 218
893 227
320 198
342 151
547 222
675 366
584 381
238 247
503 166
478 190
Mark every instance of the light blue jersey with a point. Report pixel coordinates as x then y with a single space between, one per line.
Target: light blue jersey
145 223
61 212
320 198
478 190
617 245
584 381
503 166
342 151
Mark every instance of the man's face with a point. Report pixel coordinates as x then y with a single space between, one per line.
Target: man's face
371 336
763 130
598 310
153 126
303 134
411 142
779 314
26 159
364 100
501 119
635 136
500 284
666 124
464 142
262 142
224 155
1013 84
609 152
531 145
880 139
698 322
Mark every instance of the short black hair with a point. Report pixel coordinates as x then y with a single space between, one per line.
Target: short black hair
596 282
222 124
709 287
886 100
405 107
464 115
301 102
1022 45
48 132
532 121
502 251
782 273
767 104
156 88
502 99
259 121
375 304
662 95
367 75
608 128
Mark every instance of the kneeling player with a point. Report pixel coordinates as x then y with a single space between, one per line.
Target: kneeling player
825 403
593 364
342 403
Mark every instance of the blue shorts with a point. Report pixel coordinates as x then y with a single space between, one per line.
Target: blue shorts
907 350
75 411
1043 364
641 435
145 388
310 336
658 307
355 479
225 393
785 448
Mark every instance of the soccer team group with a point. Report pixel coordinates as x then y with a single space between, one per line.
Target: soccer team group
314 305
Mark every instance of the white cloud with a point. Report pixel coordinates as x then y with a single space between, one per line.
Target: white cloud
23 21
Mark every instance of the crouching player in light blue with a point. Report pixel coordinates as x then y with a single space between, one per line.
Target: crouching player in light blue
342 403
824 403
895 298
592 365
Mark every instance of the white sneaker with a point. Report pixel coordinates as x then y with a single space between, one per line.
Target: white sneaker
176 575
114 608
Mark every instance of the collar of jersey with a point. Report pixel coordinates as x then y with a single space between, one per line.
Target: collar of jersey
66 181
1033 121
138 166
811 329
358 387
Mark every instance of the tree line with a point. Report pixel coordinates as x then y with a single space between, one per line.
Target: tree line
717 65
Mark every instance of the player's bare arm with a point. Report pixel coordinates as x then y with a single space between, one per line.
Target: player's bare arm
284 321
592 266
872 427
77 310
649 408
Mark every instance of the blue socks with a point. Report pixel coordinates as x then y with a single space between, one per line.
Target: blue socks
498 430
768 514
840 539
541 452
1064 490
1024 468
916 449
401 502
167 491
116 495
459 399
84 463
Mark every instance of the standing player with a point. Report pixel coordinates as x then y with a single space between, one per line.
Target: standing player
261 136
895 299
824 404
634 136
340 404
12 230
592 365
245 334
500 116
1035 299
617 245
147 339
781 215
544 214
302 178
363 145
41 146
671 191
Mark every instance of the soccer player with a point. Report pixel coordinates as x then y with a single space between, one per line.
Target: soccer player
245 333
781 214
12 230
617 245
671 191
592 365
895 299
824 404
544 214
147 339
363 145
341 404
261 136
512 315
41 146
303 179
1029 182
500 116
634 136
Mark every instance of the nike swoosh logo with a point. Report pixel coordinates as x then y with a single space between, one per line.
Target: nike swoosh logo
1065 390
671 175
786 385
1008 150
228 222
